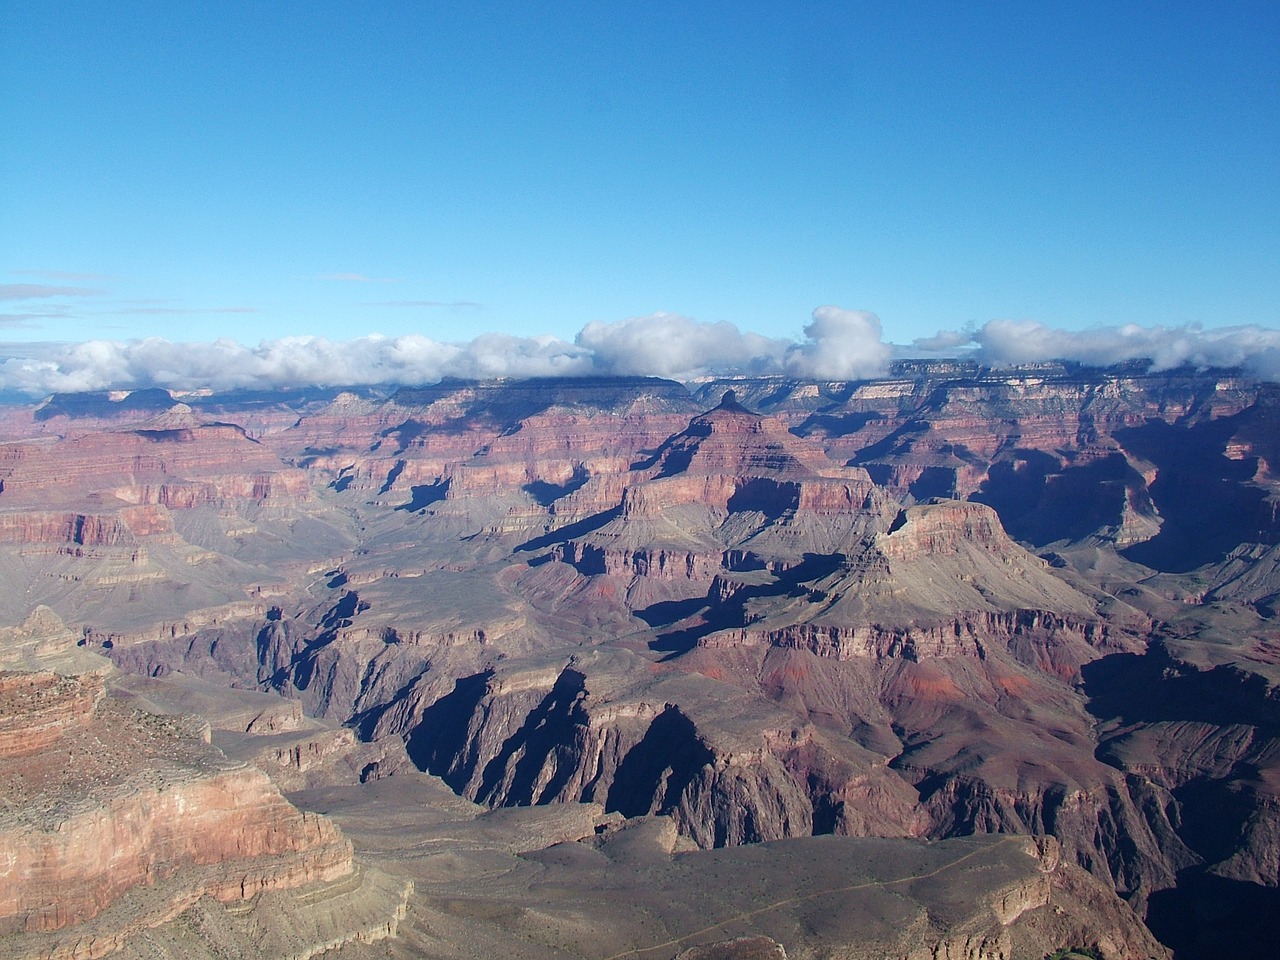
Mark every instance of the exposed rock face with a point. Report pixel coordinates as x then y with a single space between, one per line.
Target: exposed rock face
943 581
123 527
42 643
174 467
591 732
733 459
822 617
36 709
466 439
944 529
101 798
732 490
1060 452
966 635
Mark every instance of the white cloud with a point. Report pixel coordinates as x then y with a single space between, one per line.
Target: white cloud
501 355
839 344
292 361
1022 341
842 345
942 343
669 345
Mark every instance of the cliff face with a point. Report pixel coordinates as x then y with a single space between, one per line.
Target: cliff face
235 822
123 527
101 799
943 581
111 495
151 464
36 709
1061 453
732 489
968 634
573 736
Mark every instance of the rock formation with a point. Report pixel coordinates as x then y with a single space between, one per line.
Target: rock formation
951 602
118 820
100 798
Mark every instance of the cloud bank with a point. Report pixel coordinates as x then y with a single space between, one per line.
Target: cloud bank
1008 342
669 345
841 344
838 344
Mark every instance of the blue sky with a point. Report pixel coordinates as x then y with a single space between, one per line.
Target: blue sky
264 170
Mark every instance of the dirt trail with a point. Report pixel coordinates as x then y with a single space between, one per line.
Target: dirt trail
849 888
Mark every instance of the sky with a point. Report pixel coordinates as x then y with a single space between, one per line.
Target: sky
524 188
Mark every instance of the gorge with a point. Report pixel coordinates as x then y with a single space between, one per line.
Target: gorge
612 638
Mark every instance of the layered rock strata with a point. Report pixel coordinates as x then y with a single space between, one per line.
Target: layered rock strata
105 799
831 614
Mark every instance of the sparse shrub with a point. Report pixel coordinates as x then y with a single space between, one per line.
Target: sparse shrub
1075 953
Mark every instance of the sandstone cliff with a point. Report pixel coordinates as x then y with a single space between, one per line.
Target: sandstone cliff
103 798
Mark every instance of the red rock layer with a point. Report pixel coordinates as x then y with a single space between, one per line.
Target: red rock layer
37 708
969 634
236 820
121 527
941 529
171 467
100 799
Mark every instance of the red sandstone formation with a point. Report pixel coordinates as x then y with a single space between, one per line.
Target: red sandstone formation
173 466
944 580
122 527
36 709
100 798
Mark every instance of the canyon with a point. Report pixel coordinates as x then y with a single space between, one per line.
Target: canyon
956 662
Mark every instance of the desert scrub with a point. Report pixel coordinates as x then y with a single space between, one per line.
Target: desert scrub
1075 953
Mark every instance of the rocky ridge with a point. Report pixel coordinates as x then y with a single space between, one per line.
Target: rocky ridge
888 608
117 821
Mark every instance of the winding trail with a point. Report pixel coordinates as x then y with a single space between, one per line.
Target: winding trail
747 914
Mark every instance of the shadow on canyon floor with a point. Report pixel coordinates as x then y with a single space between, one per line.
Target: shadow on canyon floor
1208 917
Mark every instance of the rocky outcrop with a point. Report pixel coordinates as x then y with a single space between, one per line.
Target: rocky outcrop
317 759
1068 907
106 798
943 528
968 635
234 820
466 439
124 527
36 709
594 559
223 616
1062 452
160 465
350 913
541 736
943 581
731 483
43 643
